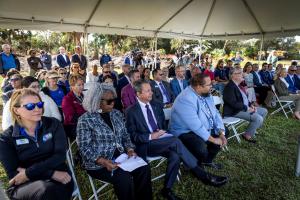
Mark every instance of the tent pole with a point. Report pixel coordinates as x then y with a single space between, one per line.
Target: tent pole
261 47
200 51
155 51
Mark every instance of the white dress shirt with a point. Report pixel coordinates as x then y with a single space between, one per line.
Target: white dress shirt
165 99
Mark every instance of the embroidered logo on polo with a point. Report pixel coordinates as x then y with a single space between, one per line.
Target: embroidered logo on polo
47 137
22 141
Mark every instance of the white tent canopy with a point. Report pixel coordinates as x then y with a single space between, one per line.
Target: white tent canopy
189 19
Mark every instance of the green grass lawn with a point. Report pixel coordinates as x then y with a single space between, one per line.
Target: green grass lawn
256 171
262 171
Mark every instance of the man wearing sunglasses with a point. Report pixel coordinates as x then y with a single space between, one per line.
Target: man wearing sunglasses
8 60
15 82
106 71
291 79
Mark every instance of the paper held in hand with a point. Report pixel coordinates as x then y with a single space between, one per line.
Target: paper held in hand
129 164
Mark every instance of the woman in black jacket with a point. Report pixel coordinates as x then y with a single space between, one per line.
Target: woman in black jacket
33 152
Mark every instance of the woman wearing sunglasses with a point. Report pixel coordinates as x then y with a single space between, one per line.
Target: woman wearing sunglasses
53 90
50 108
63 79
33 152
15 82
72 105
102 137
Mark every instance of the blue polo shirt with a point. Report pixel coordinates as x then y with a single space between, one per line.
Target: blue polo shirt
57 96
8 61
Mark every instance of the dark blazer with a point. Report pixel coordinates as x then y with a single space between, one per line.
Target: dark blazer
175 86
121 84
233 100
266 77
82 61
137 126
157 95
62 62
292 84
280 88
297 81
256 80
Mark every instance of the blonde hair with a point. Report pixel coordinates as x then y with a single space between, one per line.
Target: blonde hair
277 75
48 74
72 68
74 78
15 102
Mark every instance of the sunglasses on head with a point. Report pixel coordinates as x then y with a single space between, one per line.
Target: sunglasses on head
109 101
15 79
31 106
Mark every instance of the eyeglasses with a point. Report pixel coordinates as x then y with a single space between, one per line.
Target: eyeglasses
109 101
293 70
106 72
31 106
15 79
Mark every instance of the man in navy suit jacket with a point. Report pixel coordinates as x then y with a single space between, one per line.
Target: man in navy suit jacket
291 79
162 92
260 86
179 83
62 59
79 58
146 125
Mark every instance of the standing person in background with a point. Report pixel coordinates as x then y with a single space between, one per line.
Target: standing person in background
272 58
8 60
46 60
34 63
80 59
62 58
105 58
237 59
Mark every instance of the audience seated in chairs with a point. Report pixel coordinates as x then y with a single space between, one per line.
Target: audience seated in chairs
63 78
179 83
16 83
220 77
33 152
106 71
162 92
248 76
93 76
291 80
5 85
260 86
236 104
128 96
72 105
147 127
102 137
281 88
53 90
50 108
197 123
146 74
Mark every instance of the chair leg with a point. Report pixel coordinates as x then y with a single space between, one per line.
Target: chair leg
95 195
236 133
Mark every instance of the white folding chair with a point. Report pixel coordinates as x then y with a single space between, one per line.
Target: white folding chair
232 123
76 191
160 161
96 191
282 104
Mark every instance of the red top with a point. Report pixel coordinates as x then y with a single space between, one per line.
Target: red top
72 109
210 74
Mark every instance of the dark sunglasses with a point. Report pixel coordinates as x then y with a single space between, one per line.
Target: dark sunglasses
31 106
109 101
106 72
63 73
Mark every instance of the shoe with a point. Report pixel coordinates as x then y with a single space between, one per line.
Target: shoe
213 180
251 140
169 194
213 165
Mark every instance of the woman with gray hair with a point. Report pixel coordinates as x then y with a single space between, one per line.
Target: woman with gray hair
102 137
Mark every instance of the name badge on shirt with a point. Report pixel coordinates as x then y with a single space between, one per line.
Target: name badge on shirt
156 86
22 141
47 137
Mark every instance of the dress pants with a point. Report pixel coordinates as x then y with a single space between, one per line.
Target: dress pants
42 190
204 151
133 185
175 152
